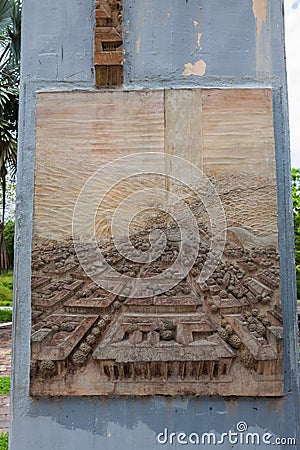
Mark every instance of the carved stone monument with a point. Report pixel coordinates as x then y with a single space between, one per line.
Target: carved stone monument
155 297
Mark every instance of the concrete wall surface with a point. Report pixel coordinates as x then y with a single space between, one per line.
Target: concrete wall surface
168 43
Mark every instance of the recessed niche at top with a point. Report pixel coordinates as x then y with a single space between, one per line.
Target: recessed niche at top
108 43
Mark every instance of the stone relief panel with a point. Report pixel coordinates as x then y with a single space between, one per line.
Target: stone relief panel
128 318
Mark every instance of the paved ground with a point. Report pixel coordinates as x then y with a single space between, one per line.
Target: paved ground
5 361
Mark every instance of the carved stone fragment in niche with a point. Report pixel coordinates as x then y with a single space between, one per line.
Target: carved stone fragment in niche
108 48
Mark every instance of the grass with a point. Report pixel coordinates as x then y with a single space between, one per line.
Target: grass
6 288
6 279
5 303
5 315
4 385
5 295
6 292
3 441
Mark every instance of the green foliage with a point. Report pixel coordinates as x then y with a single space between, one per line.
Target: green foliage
6 289
5 303
5 295
10 40
10 200
5 14
10 32
5 315
9 236
6 292
7 279
296 206
4 385
3 441
4 390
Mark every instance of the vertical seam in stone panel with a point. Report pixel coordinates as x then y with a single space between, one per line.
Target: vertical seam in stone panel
202 138
94 45
165 138
165 120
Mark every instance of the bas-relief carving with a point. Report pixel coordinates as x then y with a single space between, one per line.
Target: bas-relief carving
222 337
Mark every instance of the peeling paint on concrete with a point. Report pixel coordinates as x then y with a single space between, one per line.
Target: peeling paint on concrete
199 40
197 69
229 37
138 46
260 11
263 36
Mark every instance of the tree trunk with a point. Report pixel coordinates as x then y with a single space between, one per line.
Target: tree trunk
4 256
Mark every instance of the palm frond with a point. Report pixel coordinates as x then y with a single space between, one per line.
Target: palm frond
10 36
15 32
6 95
8 149
6 8
10 31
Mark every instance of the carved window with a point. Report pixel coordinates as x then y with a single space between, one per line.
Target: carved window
108 43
